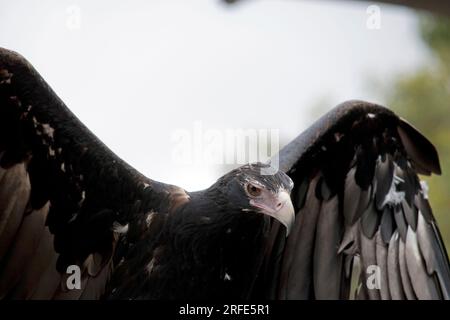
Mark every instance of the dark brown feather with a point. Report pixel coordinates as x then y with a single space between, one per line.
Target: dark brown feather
421 151
423 284
393 267
328 271
296 273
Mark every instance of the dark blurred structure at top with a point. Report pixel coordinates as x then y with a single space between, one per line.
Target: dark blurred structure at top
435 6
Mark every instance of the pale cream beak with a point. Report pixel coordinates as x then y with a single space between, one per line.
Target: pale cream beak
279 207
286 213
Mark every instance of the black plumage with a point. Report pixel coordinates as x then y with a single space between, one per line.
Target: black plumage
66 199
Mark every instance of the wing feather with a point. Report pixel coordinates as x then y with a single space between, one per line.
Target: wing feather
368 258
423 284
296 276
431 250
327 277
382 263
61 191
393 266
405 276
370 160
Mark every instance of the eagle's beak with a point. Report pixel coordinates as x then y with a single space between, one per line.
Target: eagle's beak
278 206
286 213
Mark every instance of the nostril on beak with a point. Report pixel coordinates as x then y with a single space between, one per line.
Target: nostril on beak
279 205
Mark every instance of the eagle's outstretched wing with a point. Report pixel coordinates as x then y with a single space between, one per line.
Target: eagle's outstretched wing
65 198
358 197
64 195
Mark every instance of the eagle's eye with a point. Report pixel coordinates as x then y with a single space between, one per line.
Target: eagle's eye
253 190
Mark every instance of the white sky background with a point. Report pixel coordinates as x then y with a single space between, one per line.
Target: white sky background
136 71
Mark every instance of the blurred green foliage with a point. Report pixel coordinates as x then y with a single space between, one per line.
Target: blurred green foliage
423 98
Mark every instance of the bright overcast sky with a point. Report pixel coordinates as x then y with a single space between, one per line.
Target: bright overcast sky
136 71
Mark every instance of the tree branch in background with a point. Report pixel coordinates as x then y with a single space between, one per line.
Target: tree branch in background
435 6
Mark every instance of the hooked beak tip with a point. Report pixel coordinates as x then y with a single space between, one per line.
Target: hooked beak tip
290 219
286 214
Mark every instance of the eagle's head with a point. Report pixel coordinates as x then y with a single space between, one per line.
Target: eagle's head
250 190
